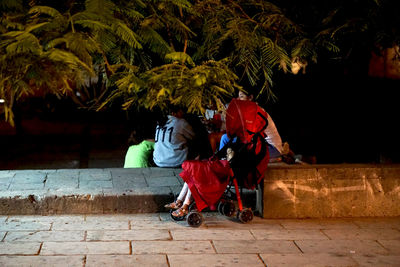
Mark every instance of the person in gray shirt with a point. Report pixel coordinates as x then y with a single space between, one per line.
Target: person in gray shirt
172 140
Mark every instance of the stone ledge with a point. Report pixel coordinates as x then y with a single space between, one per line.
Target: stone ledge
327 191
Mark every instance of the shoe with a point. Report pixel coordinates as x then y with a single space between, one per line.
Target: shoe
181 212
174 205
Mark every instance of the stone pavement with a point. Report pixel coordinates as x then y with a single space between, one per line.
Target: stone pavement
153 239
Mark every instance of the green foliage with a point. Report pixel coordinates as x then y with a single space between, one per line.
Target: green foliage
179 83
193 53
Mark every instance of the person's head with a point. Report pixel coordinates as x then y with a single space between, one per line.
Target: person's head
245 96
176 111
136 137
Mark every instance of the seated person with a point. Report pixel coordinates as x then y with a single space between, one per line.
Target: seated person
199 146
172 140
273 138
140 151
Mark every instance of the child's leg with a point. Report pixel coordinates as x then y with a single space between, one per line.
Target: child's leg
183 192
188 198
182 211
179 201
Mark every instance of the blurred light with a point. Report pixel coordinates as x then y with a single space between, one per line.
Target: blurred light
2 100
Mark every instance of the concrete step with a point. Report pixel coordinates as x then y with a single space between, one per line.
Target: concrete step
89 191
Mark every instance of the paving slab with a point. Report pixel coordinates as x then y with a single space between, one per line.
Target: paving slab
20 248
128 235
163 181
151 225
30 176
257 223
319 224
315 260
278 234
78 248
5 185
393 246
211 234
105 225
127 260
25 226
345 247
382 222
40 261
172 247
373 260
215 260
363 234
39 236
46 219
6 173
255 246
138 217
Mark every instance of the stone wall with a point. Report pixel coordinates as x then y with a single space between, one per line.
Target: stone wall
327 191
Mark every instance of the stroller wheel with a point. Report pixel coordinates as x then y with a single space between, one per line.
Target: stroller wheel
179 218
194 219
245 216
228 208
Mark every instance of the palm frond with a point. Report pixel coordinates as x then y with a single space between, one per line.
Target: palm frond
93 24
24 43
126 34
46 10
67 58
154 40
180 57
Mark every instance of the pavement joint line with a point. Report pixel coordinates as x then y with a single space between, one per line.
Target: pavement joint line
213 246
251 232
4 237
40 249
166 256
294 242
323 232
379 243
261 259
170 235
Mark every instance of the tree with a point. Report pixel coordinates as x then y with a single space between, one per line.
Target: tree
151 53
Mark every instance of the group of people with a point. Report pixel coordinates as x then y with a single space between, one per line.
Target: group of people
176 140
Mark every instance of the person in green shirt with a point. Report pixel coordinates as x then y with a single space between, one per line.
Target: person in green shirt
140 151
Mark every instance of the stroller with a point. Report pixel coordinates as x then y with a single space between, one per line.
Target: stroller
210 181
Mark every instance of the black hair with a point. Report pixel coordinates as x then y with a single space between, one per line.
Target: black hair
248 88
144 124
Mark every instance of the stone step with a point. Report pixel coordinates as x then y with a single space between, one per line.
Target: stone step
89 191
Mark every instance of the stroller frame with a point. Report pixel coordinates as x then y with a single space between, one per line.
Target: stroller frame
247 166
